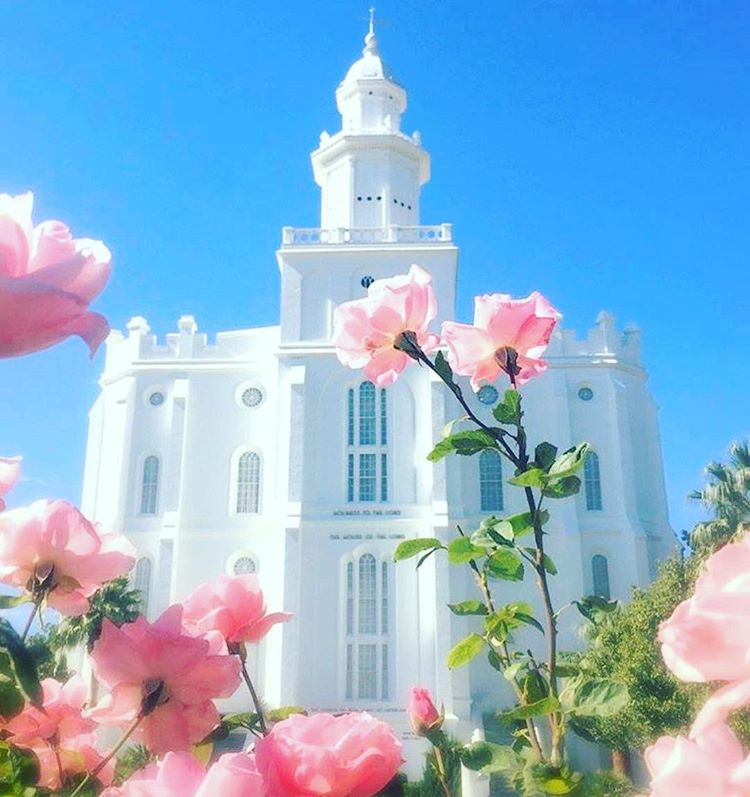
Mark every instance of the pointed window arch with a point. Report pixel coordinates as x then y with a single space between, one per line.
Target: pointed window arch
367 440
600 574
150 485
366 592
142 581
490 481
248 484
592 482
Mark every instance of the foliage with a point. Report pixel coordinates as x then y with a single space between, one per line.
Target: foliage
50 662
429 785
624 645
507 549
607 784
116 601
727 495
134 758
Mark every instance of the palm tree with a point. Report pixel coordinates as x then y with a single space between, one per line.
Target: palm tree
116 600
727 496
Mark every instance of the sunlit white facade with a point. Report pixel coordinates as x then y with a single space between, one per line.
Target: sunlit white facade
257 451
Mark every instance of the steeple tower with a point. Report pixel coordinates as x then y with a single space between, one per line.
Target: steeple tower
370 175
370 172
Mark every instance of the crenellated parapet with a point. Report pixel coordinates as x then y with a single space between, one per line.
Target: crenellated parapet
603 341
139 347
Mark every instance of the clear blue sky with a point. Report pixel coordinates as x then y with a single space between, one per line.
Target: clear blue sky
595 150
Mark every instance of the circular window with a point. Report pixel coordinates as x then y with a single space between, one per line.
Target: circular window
156 399
488 394
585 394
252 396
366 281
243 565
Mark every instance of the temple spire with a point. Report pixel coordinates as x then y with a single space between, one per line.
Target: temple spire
371 42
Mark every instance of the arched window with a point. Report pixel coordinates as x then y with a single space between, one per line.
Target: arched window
367 438
150 485
491 481
600 572
367 597
248 484
366 590
244 565
592 481
142 581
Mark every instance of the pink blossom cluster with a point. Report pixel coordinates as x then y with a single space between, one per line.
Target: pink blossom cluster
163 679
182 775
707 639
59 733
382 332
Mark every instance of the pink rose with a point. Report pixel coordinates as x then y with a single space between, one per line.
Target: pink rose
60 724
233 606
47 280
352 755
51 549
508 335
707 638
366 331
233 775
423 715
181 775
165 676
10 470
710 766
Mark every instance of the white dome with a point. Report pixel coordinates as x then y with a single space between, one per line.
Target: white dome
370 66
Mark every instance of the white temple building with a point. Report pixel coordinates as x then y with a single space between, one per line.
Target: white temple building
256 451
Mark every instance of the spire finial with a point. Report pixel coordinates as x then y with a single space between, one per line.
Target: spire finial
371 43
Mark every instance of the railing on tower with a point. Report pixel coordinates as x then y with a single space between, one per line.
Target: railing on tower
393 234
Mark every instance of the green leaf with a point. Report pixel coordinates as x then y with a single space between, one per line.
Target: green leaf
562 488
599 697
508 411
465 650
494 660
569 462
519 525
279 714
464 608
566 670
488 538
444 371
529 619
11 699
11 601
556 780
512 672
21 662
513 615
462 550
505 564
594 607
465 443
533 477
488 757
547 562
546 705
409 548
544 455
